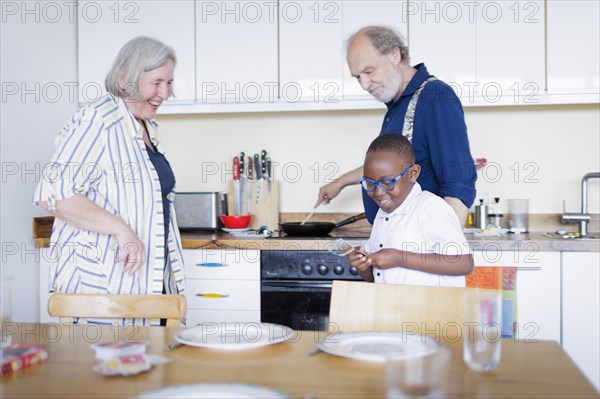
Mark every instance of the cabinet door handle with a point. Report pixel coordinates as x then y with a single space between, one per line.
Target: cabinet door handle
211 264
212 295
532 268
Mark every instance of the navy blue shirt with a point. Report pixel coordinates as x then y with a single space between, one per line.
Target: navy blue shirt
439 140
167 183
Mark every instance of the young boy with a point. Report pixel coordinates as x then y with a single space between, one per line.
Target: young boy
416 237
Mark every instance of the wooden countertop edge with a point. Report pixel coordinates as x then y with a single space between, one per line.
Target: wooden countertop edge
527 242
534 241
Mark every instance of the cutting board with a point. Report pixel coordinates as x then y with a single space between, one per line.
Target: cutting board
265 210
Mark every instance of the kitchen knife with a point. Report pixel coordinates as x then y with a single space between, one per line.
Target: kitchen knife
263 163
236 186
250 168
259 179
269 174
242 182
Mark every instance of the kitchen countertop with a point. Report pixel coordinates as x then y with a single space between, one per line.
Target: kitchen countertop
355 234
508 242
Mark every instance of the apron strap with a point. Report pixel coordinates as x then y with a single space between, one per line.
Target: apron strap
409 117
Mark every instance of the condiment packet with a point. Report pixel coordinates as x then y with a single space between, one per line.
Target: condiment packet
109 350
129 364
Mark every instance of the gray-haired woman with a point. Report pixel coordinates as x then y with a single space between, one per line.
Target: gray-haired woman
111 188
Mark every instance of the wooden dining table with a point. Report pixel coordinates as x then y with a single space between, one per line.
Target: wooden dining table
536 369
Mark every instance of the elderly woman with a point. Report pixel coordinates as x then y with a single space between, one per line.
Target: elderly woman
111 188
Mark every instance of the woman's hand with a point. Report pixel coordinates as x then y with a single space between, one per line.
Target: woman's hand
131 251
82 213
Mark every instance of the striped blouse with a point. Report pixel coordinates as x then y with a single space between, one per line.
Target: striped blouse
101 154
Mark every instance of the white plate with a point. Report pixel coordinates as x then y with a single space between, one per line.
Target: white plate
234 336
377 346
235 230
214 391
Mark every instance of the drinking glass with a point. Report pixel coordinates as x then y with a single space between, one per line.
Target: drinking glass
418 376
482 329
518 215
5 310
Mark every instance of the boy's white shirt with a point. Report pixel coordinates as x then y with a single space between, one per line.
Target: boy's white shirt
423 223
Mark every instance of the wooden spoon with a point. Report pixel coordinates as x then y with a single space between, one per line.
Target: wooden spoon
309 215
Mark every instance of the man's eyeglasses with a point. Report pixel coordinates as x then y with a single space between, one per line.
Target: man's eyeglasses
386 184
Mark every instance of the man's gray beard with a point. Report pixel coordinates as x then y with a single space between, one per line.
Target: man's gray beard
386 97
390 93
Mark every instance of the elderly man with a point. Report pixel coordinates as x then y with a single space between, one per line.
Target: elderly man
379 60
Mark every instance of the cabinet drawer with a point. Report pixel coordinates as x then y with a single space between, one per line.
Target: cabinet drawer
198 316
222 264
238 295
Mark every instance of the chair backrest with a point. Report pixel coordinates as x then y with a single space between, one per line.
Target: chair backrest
362 306
68 306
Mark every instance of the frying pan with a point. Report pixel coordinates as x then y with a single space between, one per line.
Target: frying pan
315 229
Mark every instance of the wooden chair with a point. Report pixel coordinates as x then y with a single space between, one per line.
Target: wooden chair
361 306
68 306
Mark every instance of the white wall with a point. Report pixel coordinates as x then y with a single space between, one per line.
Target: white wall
38 63
536 152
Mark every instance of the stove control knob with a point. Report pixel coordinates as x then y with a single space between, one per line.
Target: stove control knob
353 271
322 269
307 269
339 270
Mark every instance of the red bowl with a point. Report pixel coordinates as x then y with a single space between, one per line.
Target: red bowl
236 222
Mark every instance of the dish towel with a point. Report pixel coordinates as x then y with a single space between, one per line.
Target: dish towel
504 280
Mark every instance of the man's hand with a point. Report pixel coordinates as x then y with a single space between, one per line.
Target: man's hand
328 192
331 190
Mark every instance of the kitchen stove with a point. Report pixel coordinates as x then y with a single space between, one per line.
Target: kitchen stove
296 286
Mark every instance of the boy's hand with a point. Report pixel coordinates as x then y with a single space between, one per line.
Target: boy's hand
384 258
359 260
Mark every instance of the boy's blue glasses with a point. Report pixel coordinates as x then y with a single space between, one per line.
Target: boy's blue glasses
386 184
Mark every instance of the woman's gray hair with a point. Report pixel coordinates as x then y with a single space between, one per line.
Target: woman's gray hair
140 54
384 39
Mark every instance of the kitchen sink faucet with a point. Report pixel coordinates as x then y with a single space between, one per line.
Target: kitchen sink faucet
582 218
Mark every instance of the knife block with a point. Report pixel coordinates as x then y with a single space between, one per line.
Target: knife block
266 211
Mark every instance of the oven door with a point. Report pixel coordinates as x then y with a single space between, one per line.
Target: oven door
300 305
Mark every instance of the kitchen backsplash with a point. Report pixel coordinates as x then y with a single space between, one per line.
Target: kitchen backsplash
528 154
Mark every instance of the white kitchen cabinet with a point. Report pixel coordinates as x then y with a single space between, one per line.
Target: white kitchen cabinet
509 51
236 52
230 282
581 311
488 51
573 40
538 288
442 35
311 51
104 27
358 14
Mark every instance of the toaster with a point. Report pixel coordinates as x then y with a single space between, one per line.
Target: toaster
200 210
